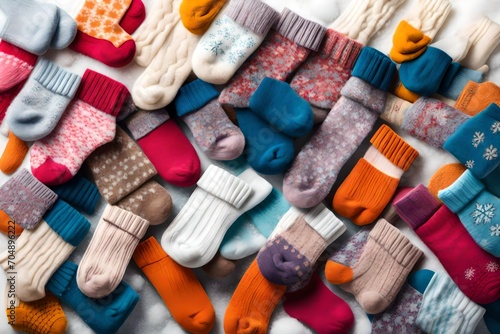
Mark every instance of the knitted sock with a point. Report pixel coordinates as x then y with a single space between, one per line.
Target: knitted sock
283 50
101 315
484 37
9 226
454 82
373 181
133 17
231 39
440 229
321 77
39 252
319 308
108 254
476 208
90 119
491 182
267 150
387 252
315 169
401 91
277 103
475 143
445 177
408 43
65 31
476 97
491 317
219 267
194 236
25 199
164 143
80 193
212 130
42 316
428 16
179 288
242 239
13 155
119 167
197 15
298 241
252 303
35 112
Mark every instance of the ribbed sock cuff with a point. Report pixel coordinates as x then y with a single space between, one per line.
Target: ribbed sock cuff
55 79
461 192
67 222
343 50
301 31
125 220
60 281
452 88
253 14
393 147
27 181
493 111
417 207
143 122
148 252
375 68
466 95
325 223
80 192
194 96
21 54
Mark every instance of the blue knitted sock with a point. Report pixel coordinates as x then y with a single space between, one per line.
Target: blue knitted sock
277 103
455 80
104 315
492 182
80 193
267 150
476 142
477 209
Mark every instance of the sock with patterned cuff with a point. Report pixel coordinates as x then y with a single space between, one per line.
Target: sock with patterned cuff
387 251
212 130
25 199
194 236
178 286
408 43
484 38
242 239
476 97
13 155
166 146
90 119
35 112
453 85
197 15
475 143
101 315
219 267
80 193
445 177
284 49
40 251
369 187
103 265
476 208
299 239
133 17
315 169
231 39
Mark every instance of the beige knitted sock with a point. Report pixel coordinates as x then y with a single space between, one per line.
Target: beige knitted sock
109 252
485 37
429 15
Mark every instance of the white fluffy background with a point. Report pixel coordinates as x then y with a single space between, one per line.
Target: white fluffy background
150 315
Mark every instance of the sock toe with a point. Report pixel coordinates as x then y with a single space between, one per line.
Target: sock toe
275 160
203 321
186 253
52 173
337 273
228 147
185 175
98 286
302 198
65 31
59 326
250 326
372 302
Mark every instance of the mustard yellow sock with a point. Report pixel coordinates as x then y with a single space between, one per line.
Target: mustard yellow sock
197 15
13 155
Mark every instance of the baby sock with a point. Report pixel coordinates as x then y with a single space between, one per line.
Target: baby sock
314 170
40 251
231 39
195 234
484 37
475 143
373 181
475 97
13 155
440 229
90 119
25 199
387 251
101 315
133 17
197 15
281 53
319 308
103 265
80 193
35 112
445 177
119 167
476 208
178 286
166 146
212 130
252 303
242 239
219 267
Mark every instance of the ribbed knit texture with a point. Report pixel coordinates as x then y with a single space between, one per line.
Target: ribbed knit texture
79 193
393 147
16 65
476 97
484 37
194 96
301 31
461 192
142 122
375 68
55 79
68 223
253 14
417 206
429 15
453 85
445 177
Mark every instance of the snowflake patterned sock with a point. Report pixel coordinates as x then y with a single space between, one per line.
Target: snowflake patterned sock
476 208
315 169
231 39
476 142
216 135
477 273
284 49
90 120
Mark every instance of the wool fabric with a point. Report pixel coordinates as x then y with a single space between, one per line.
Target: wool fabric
13 155
197 15
475 97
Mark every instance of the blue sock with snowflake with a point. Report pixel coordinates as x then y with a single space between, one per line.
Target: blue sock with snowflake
477 209
477 141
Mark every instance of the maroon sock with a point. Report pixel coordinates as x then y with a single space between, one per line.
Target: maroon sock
134 16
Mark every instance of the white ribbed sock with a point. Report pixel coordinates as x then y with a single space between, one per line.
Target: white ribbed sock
485 37
429 15
248 241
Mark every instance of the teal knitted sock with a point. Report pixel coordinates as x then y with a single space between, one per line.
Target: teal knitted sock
477 209
492 182
80 193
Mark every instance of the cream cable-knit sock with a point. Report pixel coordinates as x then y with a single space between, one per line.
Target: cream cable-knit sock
485 37
429 15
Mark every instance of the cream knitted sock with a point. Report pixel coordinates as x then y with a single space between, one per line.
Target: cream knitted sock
429 15
484 37
109 252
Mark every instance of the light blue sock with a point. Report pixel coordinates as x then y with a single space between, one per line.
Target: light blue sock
477 208
241 240
476 143
65 32
277 103
454 82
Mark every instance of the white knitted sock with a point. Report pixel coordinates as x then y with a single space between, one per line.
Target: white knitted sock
485 37
170 67
248 241
194 236
109 252
429 15
363 18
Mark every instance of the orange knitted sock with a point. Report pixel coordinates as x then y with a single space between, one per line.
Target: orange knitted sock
197 15
13 155
444 177
408 43
7 226
475 97
402 92
252 303
369 187
179 288
44 316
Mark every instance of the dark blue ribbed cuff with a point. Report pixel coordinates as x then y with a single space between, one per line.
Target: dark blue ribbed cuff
67 222
61 279
375 68
80 193
194 96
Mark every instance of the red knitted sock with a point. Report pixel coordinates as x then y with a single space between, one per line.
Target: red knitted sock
134 16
